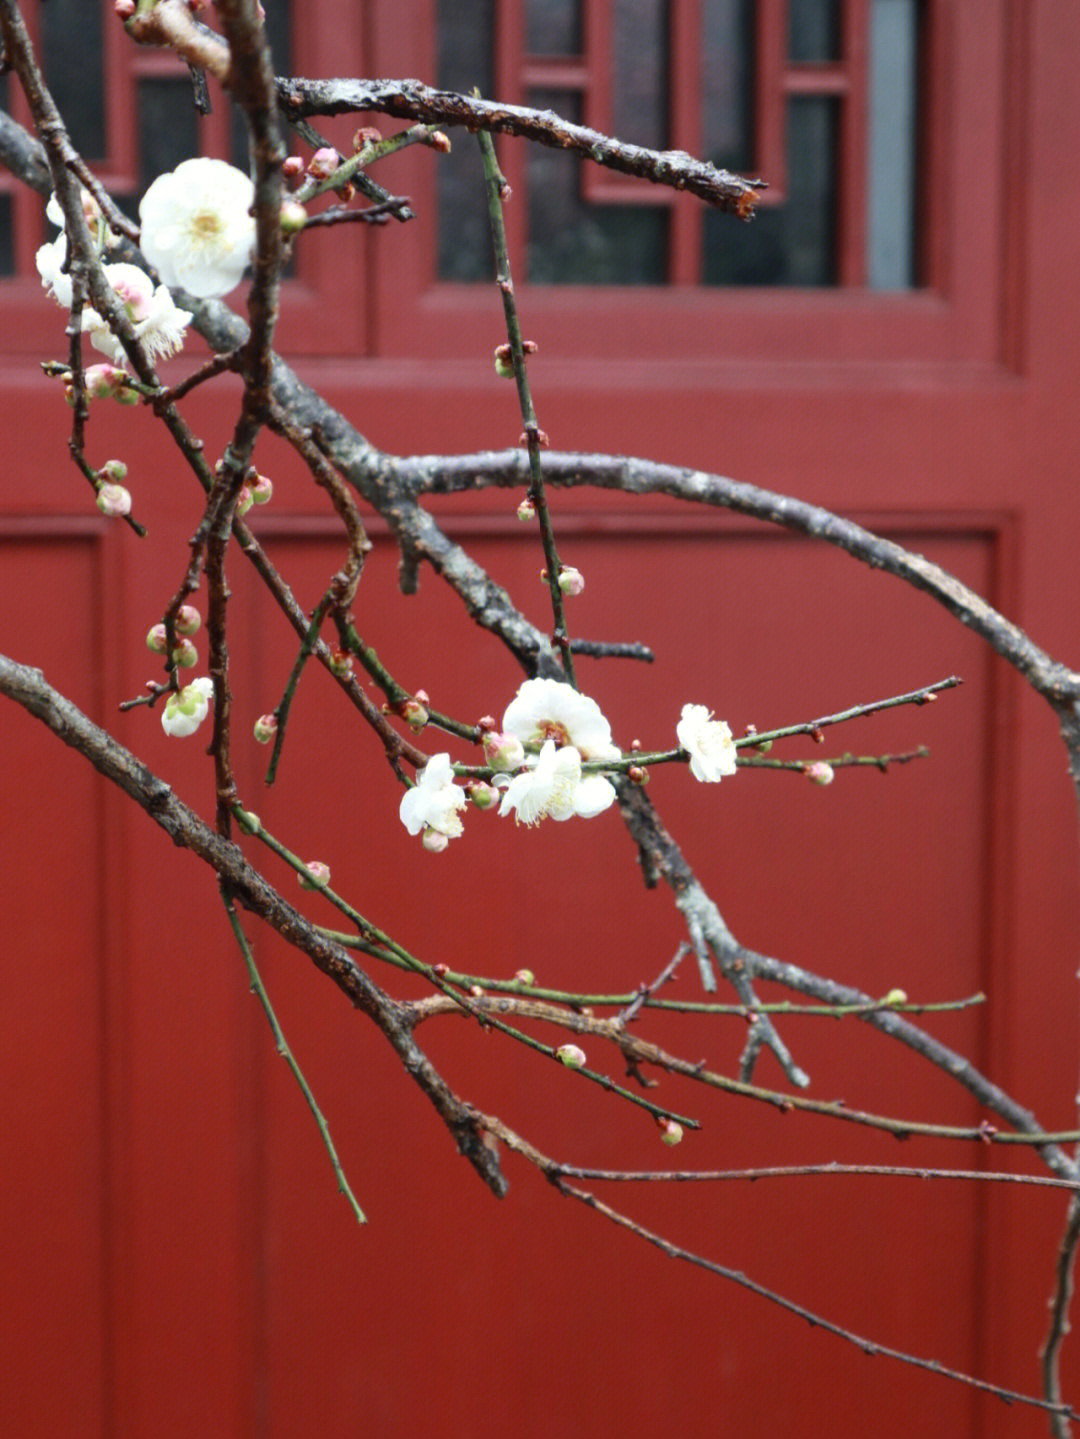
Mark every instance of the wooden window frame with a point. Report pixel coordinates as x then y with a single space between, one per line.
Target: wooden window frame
969 147
324 312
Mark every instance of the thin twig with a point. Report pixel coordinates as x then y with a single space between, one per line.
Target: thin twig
280 1042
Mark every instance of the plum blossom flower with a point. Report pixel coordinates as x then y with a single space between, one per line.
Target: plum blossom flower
434 801
156 320
708 742
158 324
197 231
553 788
185 711
546 709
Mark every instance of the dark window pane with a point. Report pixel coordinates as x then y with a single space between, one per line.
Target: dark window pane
727 83
7 253
574 243
639 71
465 29
168 129
72 51
277 32
793 243
813 30
553 27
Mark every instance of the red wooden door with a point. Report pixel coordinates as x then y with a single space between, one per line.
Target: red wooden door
179 1259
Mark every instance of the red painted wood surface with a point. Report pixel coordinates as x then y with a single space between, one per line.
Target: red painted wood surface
177 1258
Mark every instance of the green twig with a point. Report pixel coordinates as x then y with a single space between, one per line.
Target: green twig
285 703
287 1055
497 188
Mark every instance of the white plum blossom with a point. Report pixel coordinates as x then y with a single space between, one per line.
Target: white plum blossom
158 324
553 788
156 320
546 709
91 211
185 711
434 801
197 230
708 742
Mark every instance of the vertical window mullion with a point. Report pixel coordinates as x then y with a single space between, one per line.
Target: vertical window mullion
852 156
684 87
509 48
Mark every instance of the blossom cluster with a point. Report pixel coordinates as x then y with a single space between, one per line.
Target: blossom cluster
549 732
198 233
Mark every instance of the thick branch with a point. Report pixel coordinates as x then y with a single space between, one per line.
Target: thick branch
29 688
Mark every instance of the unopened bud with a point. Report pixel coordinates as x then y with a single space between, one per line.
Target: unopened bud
895 996
249 821
114 471
324 162
482 794
438 141
341 663
571 1055
434 841
414 714
185 654
317 876
113 500
366 135
526 510
820 772
637 774
671 1132
293 167
503 751
103 380
292 217
156 641
504 363
244 500
265 728
524 976
188 620
571 581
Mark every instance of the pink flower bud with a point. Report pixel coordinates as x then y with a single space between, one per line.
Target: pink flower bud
434 841
317 877
438 141
114 471
124 8
341 663
244 500
265 728
524 976
503 751
103 381
670 1131
571 581
188 620
293 167
819 772
323 163
156 641
526 510
482 795
185 654
414 714
113 500
571 1056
